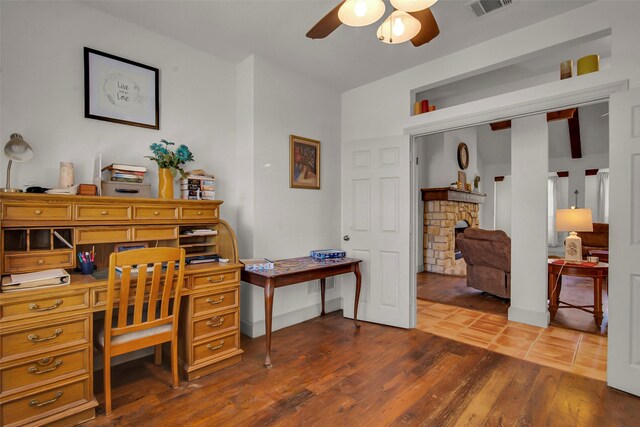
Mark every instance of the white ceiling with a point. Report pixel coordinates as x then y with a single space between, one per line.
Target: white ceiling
350 57
495 147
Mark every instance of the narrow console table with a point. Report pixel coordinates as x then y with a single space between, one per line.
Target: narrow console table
297 270
598 273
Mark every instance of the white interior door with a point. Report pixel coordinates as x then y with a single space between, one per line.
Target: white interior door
375 220
623 365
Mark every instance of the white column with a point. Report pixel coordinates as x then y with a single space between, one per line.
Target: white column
529 170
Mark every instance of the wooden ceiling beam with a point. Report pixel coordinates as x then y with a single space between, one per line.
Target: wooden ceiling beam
574 136
551 117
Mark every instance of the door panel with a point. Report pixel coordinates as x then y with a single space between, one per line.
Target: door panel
376 216
623 364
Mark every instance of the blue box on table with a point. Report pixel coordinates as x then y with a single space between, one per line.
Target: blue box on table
321 254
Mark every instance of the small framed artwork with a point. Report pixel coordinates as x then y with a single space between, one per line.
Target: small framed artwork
121 91
304 163
122 247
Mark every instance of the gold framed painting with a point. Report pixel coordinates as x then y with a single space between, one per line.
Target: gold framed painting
304 163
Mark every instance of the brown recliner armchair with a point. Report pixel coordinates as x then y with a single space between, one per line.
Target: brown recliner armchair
598 239
488 257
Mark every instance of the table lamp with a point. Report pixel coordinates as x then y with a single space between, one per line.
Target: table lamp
17 150
573 220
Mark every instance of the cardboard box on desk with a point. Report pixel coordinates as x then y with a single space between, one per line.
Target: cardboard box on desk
126 189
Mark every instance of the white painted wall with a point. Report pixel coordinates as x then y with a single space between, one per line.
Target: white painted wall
529 154
289 222
43 97
576 168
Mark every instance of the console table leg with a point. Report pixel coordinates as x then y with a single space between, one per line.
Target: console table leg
554 293
356 271
268 312
322 289
597 301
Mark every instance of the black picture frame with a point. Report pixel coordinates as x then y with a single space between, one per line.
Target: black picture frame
121 91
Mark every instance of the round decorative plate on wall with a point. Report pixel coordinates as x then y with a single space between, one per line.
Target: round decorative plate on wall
463 156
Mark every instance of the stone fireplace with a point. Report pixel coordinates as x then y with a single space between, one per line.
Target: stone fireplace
445 212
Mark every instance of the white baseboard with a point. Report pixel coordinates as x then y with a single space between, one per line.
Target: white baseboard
257 329
535 318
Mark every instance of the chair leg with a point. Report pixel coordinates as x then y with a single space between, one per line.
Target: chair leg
174 363
158 354
107 384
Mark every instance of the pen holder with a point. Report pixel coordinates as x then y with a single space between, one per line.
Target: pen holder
86 267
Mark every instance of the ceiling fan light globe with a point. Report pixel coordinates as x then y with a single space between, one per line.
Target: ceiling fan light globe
389 31
412 5
358 13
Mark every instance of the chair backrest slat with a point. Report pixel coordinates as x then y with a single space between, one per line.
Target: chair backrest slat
141 258
153 293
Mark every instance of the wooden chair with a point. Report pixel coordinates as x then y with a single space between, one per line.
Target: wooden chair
154 320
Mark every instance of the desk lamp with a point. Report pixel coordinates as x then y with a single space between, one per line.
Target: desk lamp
16 150
573 220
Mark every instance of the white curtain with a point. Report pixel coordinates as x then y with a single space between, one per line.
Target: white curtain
552 206
603 197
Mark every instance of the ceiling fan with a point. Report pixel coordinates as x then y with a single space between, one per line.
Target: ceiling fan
410 20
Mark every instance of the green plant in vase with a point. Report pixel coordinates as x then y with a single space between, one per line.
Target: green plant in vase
169 162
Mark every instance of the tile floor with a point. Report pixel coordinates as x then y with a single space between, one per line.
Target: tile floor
581 353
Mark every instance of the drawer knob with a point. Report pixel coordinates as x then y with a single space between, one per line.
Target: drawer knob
40 261
104 213
36 307
215 321
37 403
214 302
34 338
156 213
199 212
215 347
218 280
35 370
38 212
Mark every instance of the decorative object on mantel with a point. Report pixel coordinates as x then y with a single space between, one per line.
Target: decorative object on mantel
463 156
121 91
304 163
462 179
417 108
168 163
566 69
17 150
476 182
409 20
588 64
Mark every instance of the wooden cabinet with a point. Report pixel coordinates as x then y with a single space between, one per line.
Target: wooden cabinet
46 334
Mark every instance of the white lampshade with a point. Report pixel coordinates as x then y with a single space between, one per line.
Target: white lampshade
399 27
574 220
412 5
358 13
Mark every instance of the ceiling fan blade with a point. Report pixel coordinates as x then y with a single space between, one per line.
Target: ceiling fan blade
326 25
429 29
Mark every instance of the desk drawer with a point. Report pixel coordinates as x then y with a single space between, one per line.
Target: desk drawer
102 235
216 347
39 305
44 369
33 261
103 213
199 212
31 212
218 278
214 325
45 402
155 212
155 233
215 301
44 337
99 295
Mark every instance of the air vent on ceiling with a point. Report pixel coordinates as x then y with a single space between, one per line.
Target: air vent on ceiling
483 7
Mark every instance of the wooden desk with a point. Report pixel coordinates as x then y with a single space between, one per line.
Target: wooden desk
297 270
598 273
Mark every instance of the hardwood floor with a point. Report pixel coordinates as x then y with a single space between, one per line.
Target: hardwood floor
326 373
453 290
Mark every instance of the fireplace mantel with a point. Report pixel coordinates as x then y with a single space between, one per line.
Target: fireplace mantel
453 195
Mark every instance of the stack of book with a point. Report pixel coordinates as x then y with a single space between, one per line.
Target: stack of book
198 185
125 173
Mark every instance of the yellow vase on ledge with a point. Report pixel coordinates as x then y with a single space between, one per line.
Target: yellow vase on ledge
165 183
